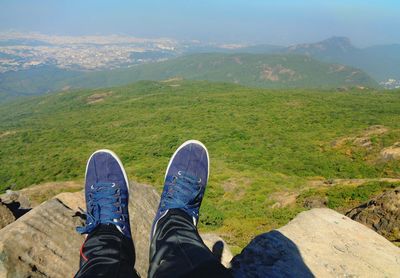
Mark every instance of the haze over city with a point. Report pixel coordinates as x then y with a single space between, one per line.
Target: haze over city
283 23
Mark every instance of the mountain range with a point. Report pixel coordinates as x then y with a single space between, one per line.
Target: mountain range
257 70
380 61
331 63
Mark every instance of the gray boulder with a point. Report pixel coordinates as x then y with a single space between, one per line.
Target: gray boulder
319 242
322 243
143 202
381 214
6 216
16 198
44 243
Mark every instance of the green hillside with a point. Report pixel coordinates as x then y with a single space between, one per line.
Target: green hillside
269 71
263 143
35 81
258 70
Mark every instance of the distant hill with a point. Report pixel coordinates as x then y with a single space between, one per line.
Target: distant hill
34 81
332 47
253 49
380 62
258 70
269 71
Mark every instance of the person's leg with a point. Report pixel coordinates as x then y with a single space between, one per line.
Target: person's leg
108 250
176 248
178 251
107 253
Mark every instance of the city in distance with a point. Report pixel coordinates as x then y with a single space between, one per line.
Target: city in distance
26 50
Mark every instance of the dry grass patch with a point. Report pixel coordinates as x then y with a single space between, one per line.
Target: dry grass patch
363 139
235 188
38 194
346 182
173 79
283 199
7 133
391 153
98 97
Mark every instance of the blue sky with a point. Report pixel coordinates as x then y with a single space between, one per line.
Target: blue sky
253 21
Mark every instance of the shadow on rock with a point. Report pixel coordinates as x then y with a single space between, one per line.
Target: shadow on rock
16 209
270 255
218 249
80 215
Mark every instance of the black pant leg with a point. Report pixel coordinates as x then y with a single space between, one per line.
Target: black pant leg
177 250
106 252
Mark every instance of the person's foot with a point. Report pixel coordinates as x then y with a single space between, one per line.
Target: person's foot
106 193
185 181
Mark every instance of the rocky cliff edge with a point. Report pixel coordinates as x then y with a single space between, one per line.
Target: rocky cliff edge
318 242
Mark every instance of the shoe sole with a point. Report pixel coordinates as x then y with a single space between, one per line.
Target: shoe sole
116 158
184 145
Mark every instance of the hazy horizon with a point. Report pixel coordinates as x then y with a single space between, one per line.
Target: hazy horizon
366 23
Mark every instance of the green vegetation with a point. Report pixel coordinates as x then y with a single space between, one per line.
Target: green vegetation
258 70
261 142
343 198
40 195
35 81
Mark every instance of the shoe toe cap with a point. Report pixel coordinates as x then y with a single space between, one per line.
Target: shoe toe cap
193 159
104 167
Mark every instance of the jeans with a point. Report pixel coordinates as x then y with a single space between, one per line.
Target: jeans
176 250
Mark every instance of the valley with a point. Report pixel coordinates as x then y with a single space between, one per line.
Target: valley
257 70
263 143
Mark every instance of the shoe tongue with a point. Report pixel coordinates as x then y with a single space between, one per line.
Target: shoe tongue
188 190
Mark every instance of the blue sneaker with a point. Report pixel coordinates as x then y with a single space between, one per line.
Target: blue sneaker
106 193
185 181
